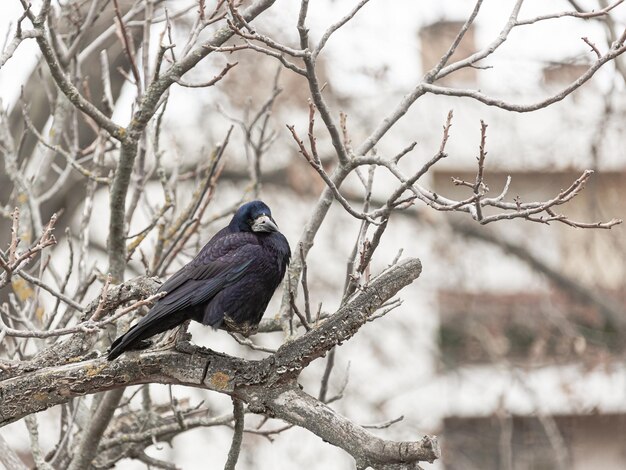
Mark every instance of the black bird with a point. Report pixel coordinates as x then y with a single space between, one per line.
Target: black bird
227 285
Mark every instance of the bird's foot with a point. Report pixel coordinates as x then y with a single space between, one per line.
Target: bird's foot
185 347
245 329
182 338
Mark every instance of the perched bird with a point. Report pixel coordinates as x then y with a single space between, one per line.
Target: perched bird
227 285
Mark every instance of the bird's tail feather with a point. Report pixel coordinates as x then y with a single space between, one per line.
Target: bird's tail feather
134 337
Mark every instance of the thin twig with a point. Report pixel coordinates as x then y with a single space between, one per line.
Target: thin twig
211 82
128 47
296 310
384 424
90 326
330 363
38 282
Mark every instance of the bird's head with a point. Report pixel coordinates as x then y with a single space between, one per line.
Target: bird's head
254 216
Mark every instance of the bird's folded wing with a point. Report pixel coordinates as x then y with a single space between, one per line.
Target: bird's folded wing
213 269
199 290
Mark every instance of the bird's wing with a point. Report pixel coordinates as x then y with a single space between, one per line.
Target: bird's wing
212 270
218 264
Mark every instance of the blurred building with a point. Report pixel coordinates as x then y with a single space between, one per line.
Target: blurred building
530 357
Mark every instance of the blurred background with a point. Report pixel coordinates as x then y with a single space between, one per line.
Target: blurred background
510 346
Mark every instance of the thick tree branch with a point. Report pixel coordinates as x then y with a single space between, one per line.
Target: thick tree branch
254 382
295 406
116 246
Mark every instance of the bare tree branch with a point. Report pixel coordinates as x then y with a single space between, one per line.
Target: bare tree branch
222 374
235 447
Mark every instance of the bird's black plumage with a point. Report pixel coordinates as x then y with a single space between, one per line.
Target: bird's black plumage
230 282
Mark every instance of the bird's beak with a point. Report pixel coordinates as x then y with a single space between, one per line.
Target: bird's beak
264 223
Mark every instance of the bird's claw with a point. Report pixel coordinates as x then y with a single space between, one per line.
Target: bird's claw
245 329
